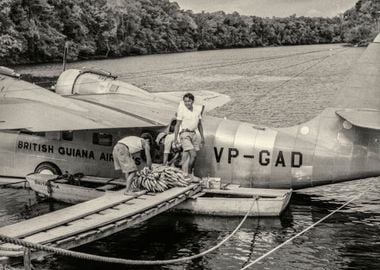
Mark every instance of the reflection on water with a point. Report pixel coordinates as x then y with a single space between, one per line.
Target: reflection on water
349 239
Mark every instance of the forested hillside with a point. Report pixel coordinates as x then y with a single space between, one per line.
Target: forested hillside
36 30
362 22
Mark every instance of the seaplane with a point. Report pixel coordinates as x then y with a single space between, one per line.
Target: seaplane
74 129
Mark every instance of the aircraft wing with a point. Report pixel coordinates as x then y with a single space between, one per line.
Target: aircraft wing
365 118
89 100
150 111
39 117
27 106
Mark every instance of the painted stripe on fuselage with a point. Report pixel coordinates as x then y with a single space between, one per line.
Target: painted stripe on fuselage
205 164
281 158
325 150
373 157
360 153
225 139
264 145
305 143
243 165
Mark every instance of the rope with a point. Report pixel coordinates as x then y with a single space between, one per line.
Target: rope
237 63
86 256
307 68
302 232
13 183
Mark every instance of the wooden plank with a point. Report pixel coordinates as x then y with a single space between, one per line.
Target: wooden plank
106 187
218 206
100 180
59 217
254 191
95 220
123 224
27 259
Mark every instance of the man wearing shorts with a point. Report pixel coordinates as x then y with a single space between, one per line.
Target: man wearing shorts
122 155
189 118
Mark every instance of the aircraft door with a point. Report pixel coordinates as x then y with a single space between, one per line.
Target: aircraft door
7 153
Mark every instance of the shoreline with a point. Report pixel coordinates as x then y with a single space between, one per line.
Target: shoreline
100 58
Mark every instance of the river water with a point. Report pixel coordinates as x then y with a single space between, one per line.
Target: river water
269 86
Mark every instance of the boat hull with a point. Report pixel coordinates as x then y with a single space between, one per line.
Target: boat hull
238 202
67 193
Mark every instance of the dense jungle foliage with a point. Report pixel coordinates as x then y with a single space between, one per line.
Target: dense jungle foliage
36 30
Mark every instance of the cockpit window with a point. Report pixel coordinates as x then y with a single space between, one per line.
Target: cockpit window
67 135
90 83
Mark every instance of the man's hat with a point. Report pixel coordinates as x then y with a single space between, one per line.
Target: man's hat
159 137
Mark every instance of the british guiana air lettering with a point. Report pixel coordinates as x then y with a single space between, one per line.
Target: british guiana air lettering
264 157
68 151
63 151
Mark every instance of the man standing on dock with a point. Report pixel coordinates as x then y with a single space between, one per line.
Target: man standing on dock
189 118
122 154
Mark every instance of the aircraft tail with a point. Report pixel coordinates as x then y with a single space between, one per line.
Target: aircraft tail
362 88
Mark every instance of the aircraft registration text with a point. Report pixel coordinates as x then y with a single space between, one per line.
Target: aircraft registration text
264 157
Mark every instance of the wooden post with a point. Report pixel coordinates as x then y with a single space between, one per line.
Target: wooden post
27 259
65 52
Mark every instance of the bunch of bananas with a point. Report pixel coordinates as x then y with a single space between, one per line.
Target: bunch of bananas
159 179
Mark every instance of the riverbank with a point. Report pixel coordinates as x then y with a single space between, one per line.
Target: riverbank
38 32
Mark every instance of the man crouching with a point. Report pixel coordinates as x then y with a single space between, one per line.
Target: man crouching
122 154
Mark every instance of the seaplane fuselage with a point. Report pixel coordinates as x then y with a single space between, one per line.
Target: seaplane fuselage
325 150
340 144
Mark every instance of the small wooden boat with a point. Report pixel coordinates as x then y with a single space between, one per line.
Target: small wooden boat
234 200
231 200
71 189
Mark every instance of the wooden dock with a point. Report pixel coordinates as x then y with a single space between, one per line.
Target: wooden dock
91 220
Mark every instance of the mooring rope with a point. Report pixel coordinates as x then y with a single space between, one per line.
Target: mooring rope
86 256
302 232
12 183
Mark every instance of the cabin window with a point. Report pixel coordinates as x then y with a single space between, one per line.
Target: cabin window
102 139
53 135
67 135
27 132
